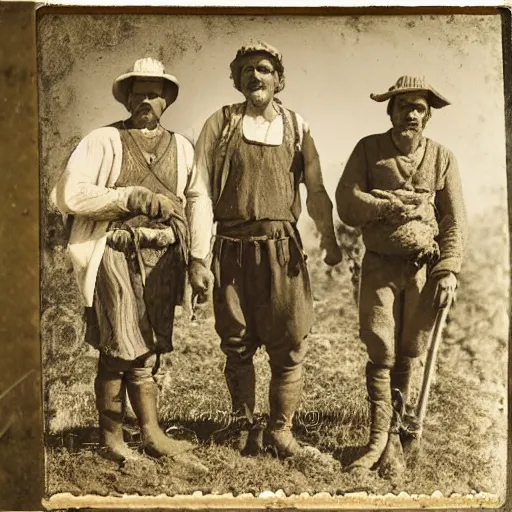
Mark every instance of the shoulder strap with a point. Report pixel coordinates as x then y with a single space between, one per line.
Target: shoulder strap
298 163
232 116
296 131
226 111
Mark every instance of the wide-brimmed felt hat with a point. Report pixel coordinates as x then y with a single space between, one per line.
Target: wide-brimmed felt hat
257 47
413 84
148 68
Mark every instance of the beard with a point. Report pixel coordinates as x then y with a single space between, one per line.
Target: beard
258 94
145 117
408 136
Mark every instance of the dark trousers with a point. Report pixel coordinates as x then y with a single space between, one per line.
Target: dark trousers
262 296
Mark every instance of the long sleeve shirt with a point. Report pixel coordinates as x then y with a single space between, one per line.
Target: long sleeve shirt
209 177
376 163
87 191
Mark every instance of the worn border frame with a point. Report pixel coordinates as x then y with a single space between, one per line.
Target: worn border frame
20 364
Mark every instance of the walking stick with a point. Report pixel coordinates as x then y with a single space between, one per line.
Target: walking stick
406 432
428 374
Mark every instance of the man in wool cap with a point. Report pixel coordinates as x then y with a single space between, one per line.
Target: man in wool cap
125 186
403 190
250 160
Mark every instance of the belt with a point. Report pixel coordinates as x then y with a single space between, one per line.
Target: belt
283 252
427 257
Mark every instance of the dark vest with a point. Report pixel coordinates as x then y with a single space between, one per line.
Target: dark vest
263 181
161 176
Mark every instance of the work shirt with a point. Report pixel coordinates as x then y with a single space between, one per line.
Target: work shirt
376 163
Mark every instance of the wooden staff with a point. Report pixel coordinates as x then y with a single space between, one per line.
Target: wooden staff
430 364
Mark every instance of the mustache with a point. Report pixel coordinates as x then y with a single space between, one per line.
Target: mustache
255 84
412 126
144 108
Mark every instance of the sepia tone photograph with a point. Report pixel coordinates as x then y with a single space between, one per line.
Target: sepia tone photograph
274 257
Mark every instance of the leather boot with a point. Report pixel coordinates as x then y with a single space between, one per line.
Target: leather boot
143 393
110 402
378 382
401 381
401 377
284 397
241 383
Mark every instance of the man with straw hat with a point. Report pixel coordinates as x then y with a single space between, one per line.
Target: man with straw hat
125 186
250 159
403 190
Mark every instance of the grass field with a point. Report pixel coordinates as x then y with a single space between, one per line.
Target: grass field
464 444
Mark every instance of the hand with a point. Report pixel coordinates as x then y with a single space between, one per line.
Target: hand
120 240
445 289
142 201
405 197
201 278
166 208
399 213
332 254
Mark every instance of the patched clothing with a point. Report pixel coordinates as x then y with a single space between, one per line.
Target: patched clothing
135 318
396 307
87 191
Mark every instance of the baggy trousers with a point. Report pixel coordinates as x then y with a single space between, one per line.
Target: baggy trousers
262 296
396 308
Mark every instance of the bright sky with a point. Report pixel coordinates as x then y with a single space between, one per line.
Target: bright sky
332 64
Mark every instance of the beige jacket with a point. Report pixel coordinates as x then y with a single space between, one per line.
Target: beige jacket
87 191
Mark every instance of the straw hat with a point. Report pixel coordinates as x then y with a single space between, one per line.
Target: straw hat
413 84
147 68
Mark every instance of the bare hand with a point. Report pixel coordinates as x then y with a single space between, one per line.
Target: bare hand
445 290
201 278
332 256
331 252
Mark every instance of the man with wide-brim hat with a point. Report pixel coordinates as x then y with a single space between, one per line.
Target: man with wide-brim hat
125 186
403 190
251 158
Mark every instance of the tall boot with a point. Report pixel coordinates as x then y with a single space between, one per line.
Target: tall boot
241 383
378 382
284 397
406 417
110 402
143 393
401 377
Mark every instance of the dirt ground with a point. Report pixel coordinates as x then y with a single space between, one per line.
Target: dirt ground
464 444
